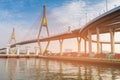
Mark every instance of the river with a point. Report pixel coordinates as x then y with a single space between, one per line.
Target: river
43 69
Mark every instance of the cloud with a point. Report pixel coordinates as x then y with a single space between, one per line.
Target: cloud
75 12
71 13
68 14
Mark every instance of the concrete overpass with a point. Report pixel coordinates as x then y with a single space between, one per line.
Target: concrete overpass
105 23
108 22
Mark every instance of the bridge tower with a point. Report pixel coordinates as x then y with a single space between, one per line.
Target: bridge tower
12 41
13 37
43 25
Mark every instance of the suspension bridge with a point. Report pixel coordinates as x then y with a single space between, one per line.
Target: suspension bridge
107 22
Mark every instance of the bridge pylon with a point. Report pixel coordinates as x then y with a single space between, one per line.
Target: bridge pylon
12 41
43 25
13 37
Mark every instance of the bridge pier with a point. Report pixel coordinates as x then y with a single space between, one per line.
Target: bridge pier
79 44
18 50
40 48
98 41
112 32
43 25
7 49
27 51
61 43
101 47
90 41
85 50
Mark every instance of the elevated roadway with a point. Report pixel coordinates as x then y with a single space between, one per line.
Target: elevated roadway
65 35
104 22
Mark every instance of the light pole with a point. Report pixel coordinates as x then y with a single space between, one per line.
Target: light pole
106 5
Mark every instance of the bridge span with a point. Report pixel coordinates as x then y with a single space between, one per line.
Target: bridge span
66 35
108 22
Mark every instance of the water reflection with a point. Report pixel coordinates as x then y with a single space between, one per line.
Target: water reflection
43 69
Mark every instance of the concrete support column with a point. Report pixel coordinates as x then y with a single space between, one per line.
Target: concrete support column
112 31
36 51
61 43
18 50
7 50
79 42
85 50
101 47
27 50
90 42
40 48
98 41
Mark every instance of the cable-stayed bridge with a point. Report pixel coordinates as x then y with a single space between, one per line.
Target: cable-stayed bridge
108 22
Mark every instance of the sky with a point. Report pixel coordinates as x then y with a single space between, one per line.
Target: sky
25 16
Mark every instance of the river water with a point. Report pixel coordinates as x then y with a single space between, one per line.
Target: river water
43 69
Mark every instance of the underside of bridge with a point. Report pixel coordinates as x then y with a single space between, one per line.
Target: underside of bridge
109 22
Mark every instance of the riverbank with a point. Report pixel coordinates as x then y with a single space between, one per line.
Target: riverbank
104 61
16 56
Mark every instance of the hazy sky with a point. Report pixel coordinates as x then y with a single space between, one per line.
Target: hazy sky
25 16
